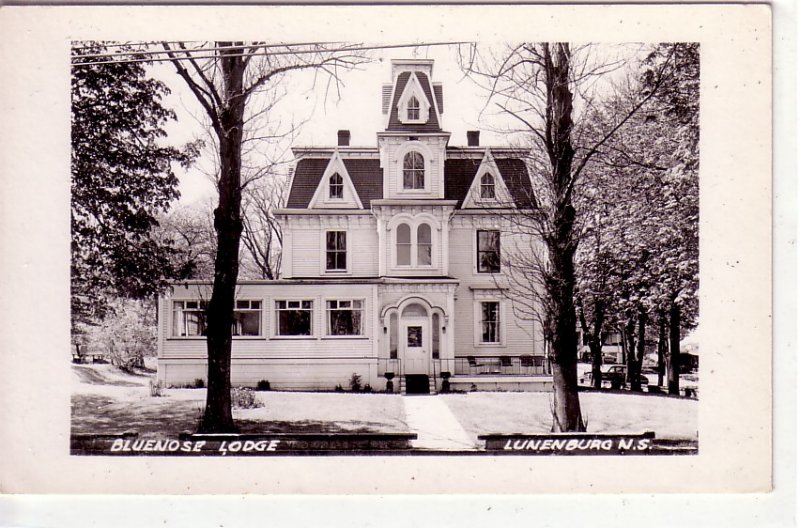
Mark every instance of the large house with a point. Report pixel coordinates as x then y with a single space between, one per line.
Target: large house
392 267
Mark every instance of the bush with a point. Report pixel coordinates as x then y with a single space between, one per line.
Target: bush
355 382
367 388
263 385
199 383
126 335
243 398
338 388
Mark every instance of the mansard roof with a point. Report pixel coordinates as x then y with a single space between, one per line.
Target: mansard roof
394 120
366 174
367 177
460 172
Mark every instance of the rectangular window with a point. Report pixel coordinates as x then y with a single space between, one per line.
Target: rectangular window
336 251
344 318
488 251
490 322
189 318
293 318
247 318
414 335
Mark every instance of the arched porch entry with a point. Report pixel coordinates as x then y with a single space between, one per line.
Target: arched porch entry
415 330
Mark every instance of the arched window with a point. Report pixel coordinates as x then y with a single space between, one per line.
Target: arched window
412 109
487 187
413 171
403 245
336 186
423 245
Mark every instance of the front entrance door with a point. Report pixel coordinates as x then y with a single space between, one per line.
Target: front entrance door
415 338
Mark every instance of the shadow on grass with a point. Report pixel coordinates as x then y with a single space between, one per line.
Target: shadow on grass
159 418
93 377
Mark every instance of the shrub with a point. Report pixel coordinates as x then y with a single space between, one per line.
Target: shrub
126 335
199 383
367 388
355 382
155 389
338 388
263 385
243 398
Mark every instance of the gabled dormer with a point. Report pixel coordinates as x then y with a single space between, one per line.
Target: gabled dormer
412 103
335 189
488 188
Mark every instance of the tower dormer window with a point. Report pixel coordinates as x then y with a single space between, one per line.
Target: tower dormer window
412 109
487 187
336 187
413 171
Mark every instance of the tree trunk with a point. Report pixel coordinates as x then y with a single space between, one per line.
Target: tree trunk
228 226
560 283
630 340
673 379
635 370
662 348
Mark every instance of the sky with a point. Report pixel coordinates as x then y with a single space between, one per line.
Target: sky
357 108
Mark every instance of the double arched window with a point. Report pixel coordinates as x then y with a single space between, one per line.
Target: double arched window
414 246
487 187
335 186
413 171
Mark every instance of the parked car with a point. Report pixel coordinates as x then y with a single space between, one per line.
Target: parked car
615 375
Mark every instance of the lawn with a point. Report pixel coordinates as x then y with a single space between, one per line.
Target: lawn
105 400
529 412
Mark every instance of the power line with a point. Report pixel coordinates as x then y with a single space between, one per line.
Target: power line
269 54
212 48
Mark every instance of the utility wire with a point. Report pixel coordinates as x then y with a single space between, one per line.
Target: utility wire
269 54
213 48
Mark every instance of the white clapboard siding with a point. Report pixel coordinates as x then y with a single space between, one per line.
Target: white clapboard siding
308 252
282 374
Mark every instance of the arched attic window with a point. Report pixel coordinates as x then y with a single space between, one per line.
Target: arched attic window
336 186
413 171
412 109
487 187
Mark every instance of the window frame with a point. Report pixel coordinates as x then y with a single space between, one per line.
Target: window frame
250 309
275 327
413 226
324 250
415 171
202 307
338 185
328 310
491 185
415 108
478 251
479 321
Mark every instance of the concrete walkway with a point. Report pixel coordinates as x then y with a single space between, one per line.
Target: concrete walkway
435 425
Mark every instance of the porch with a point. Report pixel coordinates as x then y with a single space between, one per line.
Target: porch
471 373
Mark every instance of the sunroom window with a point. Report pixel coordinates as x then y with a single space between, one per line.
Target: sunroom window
247 318
345 317
189 318
293 318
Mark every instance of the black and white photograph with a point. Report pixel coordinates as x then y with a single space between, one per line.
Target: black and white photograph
445 258
349 247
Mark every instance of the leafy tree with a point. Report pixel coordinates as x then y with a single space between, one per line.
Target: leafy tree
127 334
122 178
547 87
